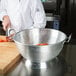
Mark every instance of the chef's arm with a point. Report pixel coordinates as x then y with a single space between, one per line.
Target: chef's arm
3 15
3 11
38 14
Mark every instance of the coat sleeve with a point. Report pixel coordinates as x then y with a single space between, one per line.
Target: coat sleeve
3 10
38 14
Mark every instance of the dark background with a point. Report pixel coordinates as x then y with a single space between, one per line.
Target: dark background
66 9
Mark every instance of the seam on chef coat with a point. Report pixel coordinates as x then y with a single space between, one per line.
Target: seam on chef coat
38 13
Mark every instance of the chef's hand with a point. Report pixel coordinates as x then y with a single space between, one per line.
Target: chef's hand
6 22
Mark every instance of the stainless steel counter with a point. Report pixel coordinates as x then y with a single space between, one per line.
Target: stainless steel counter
18 71
56 68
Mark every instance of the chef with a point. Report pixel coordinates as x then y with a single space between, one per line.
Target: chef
22 14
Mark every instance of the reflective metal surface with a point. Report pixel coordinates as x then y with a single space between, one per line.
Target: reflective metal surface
56 67
28 39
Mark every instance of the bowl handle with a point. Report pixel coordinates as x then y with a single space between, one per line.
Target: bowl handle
69 38
10 33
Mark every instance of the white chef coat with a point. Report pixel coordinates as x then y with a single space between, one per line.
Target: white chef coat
24 14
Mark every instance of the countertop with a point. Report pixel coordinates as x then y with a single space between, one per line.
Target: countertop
20 70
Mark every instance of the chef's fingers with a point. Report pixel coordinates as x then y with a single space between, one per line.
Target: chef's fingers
6 22
5 25
9 39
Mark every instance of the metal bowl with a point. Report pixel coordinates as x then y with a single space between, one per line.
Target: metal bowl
27 40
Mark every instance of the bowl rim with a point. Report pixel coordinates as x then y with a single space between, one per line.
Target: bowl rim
64 40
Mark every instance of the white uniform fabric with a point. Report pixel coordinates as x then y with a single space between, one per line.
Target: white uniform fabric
24 14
